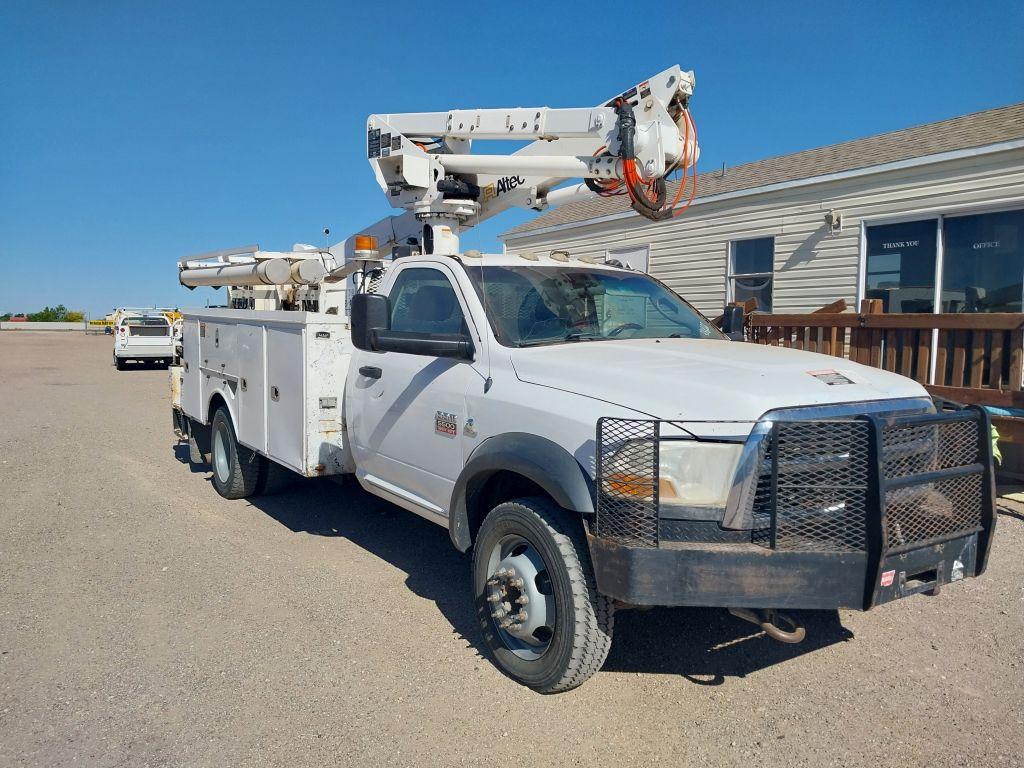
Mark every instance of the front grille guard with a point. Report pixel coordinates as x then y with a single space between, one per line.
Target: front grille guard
874 483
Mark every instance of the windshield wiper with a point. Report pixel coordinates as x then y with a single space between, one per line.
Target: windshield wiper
574 336
537 342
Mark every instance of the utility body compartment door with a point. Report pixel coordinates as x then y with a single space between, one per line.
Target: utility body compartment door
191 386
251 427
285 395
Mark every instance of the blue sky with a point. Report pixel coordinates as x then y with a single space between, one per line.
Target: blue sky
133 133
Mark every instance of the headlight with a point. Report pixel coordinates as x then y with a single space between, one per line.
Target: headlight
694 477
697 476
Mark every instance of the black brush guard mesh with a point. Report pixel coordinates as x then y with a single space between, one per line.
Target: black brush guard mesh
627 470
869 484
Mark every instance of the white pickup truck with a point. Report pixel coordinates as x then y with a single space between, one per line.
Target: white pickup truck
596 443
143 339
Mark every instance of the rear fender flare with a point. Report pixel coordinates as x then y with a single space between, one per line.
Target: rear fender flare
226 394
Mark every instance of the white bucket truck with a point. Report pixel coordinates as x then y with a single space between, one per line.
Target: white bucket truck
591 438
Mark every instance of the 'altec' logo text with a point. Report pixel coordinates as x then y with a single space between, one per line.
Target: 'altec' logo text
501 186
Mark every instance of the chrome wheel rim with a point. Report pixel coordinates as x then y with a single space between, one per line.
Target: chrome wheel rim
220 456
520 597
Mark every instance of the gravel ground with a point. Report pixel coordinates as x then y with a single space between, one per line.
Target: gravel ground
145 621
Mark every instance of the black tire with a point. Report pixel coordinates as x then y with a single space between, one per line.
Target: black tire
273 478
236 477
119 363
584 619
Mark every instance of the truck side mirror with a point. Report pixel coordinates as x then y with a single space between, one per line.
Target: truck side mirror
370 312
732 323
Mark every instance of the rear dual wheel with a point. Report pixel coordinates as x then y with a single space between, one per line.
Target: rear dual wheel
542 618
236 469
240 472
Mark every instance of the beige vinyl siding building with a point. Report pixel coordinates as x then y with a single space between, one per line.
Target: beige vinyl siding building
921 178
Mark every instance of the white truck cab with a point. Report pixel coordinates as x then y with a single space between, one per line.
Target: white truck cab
143 338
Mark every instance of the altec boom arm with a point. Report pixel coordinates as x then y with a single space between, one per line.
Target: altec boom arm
423 163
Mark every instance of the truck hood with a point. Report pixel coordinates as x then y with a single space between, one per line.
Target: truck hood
705 380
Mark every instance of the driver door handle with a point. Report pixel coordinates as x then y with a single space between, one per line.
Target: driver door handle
370 371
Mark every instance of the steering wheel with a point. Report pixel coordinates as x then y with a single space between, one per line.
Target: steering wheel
625 327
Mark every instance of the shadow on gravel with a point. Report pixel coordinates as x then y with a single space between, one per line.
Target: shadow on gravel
702 644
181 454
707 645
1007 511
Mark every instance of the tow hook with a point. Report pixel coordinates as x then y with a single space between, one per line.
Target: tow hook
768 619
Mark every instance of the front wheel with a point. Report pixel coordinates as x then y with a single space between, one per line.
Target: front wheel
537 602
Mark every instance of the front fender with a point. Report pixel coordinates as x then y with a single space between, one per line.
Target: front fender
536 458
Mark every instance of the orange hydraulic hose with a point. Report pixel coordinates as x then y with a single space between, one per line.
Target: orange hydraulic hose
693 187
686 160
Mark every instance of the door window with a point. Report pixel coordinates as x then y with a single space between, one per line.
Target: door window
424 301
983 264
901 266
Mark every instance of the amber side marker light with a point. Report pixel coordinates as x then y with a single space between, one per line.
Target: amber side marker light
640 486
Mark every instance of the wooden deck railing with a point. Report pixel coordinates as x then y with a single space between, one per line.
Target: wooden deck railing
974 358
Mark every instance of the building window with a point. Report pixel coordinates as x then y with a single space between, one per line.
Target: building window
983 262
751 271
901 266
982 265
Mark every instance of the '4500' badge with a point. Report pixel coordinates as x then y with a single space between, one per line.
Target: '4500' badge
446 424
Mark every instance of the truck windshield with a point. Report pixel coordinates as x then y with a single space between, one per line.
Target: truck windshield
534 305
